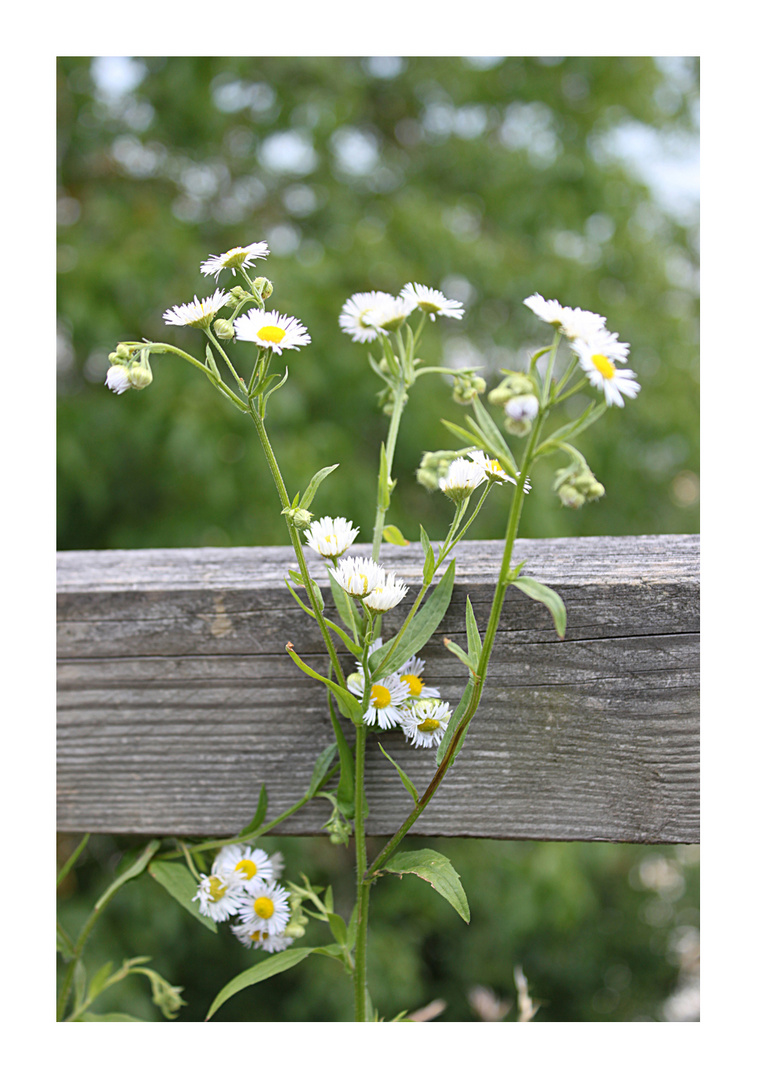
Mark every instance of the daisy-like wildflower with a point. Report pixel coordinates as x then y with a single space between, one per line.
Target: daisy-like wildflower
198 313
220 895
426 723
357 315
597 358
410 673
432 301
385 701
249 936
358 576
391 313
237 258
331 537
572 322
266 908
462 478
386 594
270 330
251 865
491 467
117 379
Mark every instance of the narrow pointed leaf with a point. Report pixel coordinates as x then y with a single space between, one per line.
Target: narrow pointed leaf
133 871
407 782
454 721
260 813
265 969
313 487
179 883
390 656
490 431
345 793
552 601
321 768
438 871
456 650
393 536
473 637
347 703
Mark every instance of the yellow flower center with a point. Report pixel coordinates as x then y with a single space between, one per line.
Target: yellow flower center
604 365
494 467
380 696
263 907
247 867
271 333
415 685
430 724
216 887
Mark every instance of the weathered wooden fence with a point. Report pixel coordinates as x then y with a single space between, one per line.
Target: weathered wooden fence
177 699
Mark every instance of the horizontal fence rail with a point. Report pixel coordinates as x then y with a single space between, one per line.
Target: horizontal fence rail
177 698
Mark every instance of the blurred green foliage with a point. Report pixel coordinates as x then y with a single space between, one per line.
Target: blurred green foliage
603 932
490 178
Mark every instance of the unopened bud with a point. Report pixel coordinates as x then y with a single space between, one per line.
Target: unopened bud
570 497
238 294
513 385
224 329
517 427
298 517
466 387
123 352
140 374
264 287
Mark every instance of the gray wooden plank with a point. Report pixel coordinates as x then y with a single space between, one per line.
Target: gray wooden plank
177 699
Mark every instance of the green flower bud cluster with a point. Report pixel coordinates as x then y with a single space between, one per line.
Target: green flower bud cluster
576 485
387 397
298 919
467 386
517 393
435 464
298 517
224 329
264 287
126 373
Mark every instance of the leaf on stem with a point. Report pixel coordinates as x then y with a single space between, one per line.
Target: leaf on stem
392 535
473 637
407 643
456 650
407 782
347 703
313 486
552 601
437 870
265 969
179 883
452 726
260 813
321 768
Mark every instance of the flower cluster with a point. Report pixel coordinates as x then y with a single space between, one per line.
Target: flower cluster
366 315
597 349
402 699
243 883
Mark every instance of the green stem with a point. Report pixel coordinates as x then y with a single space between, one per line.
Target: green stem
360 972
389 450
297 543
481 671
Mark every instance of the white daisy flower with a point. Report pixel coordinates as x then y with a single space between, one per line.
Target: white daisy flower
199 313
602 372
358 576
432 301
410 673
390 314
270 330
235 259
426 723
573 322
331 537
462 478
491 467
386 594
356 317
385 701
249 936
277 864
220 895
251 865
522 407
266 907
117 379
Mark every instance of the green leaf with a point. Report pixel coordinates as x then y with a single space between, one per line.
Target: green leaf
344 605
552 601
447 738
179 883
338 927
473 637
65 869
420 629
437 870
313 487
356 650
63 943
496 442
456 650
392 535
345 793
589 416
407 782
99 979
260 813
347 703
133 871
321 768
385 482
258 973
110 1018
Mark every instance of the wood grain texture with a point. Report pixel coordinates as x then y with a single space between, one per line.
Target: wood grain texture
177 699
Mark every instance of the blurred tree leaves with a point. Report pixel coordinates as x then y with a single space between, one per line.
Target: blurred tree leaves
490 178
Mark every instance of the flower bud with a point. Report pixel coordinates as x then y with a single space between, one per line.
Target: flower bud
140 374
517 427
298 517
264 287
514 384
238 294
123 352
466 387
117 379
224 329
570 497
434 466
522 407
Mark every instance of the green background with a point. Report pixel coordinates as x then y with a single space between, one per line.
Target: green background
490 178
